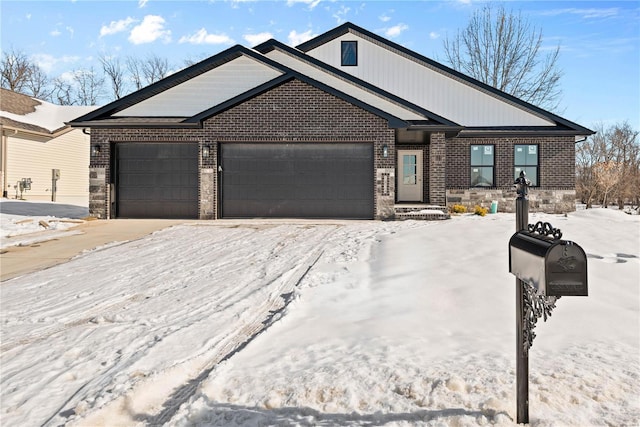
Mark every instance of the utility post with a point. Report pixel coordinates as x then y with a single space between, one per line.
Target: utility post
522 352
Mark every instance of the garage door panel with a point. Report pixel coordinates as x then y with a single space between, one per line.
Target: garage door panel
313 180
157 180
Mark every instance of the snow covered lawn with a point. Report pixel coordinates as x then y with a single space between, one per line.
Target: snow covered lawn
24 223
326 323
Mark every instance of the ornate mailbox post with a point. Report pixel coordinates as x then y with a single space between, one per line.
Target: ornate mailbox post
546 268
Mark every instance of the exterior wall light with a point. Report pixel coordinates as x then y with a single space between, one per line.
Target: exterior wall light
95 150
385 150
206 151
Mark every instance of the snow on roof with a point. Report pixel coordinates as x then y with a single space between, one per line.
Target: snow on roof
31 111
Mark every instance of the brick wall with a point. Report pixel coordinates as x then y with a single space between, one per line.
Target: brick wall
291 112
556 157
438 154
556 160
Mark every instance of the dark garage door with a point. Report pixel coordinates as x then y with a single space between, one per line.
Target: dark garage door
297 180
157 180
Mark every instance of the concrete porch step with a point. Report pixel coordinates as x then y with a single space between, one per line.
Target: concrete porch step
422 212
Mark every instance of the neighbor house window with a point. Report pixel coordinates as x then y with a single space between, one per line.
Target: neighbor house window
349 53
482 157
525 158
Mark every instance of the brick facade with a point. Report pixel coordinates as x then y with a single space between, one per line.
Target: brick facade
556 190
291 112
438 154
298 112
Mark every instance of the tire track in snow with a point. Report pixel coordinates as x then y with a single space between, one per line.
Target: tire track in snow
276 270
102 309
276 309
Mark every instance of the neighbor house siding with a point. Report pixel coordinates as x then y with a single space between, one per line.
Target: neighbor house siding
34 157
291 112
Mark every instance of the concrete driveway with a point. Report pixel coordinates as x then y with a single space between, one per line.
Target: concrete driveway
18 260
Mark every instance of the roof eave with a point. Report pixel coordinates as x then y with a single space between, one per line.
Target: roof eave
135 124
473 132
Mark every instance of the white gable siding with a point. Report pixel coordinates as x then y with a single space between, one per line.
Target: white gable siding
343 86
439 93
205 91
34 158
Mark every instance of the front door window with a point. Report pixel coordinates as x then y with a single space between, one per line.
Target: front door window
410 187
409 169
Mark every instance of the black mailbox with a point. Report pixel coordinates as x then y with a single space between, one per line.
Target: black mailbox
553 267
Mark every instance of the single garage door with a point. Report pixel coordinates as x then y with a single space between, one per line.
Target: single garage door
297 180
156 180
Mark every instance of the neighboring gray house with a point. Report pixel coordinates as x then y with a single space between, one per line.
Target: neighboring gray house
347 125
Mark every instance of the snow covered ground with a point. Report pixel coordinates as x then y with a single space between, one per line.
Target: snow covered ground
320 323
25 222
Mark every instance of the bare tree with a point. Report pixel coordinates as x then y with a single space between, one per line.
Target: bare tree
155 68
502 49
134 66
115 73
19 74
608 166
16 70
608 175
89 86
38 85
62 93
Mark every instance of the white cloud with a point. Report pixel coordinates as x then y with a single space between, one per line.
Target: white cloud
256 39
311 3
395 30
117 26
70 30
341 14
28 16
296 38
142 3
235 4
47 62
150 30
55 33
202 37
589 13
384 18
433 35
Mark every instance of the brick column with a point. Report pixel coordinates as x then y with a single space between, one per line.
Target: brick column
98 192
437 169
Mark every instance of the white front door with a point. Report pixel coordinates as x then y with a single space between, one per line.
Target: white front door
410 176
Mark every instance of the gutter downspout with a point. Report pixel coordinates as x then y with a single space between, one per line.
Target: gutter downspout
3 159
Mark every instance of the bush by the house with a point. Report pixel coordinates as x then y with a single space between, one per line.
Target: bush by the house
458 209
479 210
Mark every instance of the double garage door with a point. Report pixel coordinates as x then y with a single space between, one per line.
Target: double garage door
257 180
297 180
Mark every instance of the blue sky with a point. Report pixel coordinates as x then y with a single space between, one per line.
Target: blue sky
600 40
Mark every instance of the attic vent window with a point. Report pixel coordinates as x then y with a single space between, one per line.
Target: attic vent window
349 53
